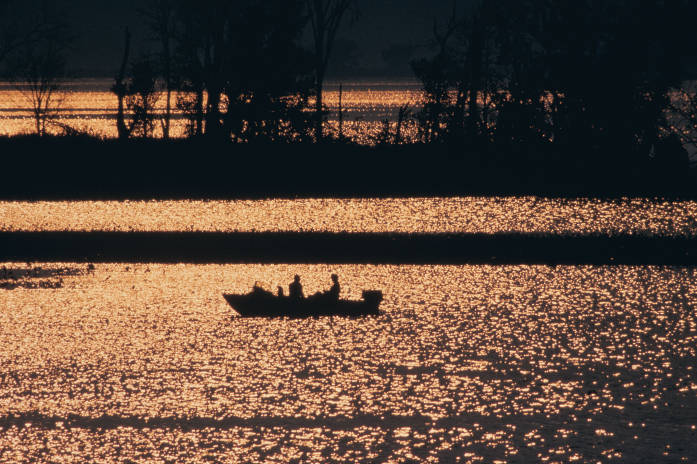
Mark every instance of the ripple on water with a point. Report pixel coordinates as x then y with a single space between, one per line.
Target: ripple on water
466 363
413 215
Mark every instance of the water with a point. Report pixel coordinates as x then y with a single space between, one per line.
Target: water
466 364
138 362
88 105
415 215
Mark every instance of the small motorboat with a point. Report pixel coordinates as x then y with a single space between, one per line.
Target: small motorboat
262 303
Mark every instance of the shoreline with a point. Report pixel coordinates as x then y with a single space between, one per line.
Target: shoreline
82 167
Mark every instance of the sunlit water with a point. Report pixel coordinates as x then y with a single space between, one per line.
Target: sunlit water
420 215
146 363
89 105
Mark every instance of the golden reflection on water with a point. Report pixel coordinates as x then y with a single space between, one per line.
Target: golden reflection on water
465 364
88 105
414 215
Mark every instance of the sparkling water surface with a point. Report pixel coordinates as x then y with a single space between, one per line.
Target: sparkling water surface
409 215
89 105
146 363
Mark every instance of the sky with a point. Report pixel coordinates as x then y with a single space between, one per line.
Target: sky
400 27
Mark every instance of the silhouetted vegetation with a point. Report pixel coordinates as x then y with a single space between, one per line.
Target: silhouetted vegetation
161 18
325 18
120 89
538 82
239 69
209 168
529 96
33 42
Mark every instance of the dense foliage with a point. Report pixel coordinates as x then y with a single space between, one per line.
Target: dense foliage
579 78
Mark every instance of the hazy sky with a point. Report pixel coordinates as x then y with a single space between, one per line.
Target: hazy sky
99 26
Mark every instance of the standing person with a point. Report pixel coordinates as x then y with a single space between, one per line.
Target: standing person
295 289
336 288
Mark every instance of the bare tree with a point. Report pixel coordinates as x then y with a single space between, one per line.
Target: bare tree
39 64
40 83
325 17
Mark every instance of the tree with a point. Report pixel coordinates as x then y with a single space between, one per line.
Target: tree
587 78
267 75
120 89
460 75
38 64
40 82
142 97
248 63
160 16
325 18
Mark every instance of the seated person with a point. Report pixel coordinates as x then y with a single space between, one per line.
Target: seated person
295 289
334 292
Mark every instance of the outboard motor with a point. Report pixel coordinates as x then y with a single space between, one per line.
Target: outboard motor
372 297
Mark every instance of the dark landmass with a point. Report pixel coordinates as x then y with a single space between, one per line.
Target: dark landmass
82 167
346 248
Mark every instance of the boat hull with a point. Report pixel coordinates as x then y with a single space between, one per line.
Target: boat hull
268 305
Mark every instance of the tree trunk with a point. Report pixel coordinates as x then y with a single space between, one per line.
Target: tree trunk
199 112
341 112
476 74
213 127
120 89
168 83
319 123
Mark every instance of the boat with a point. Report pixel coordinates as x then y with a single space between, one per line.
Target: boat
262 303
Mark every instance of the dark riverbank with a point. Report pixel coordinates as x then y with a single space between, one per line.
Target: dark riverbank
345 248
84 167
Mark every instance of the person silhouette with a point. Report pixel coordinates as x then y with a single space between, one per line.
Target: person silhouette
334 292
295 289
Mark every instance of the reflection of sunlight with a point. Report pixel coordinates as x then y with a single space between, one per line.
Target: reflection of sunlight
415 215
88 105
144 362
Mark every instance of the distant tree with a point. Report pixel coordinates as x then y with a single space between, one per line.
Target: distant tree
142 97
268 75
135 87
38 63
160 16
437 76
120 89
39 81
587 78
683 113
243 73
190 56
325 18
203 47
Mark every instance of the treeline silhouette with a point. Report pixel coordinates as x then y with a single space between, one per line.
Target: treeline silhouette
78 167
567 81
240 70
527 96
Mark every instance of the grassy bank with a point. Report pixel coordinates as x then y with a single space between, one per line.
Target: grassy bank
89 168
344 248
